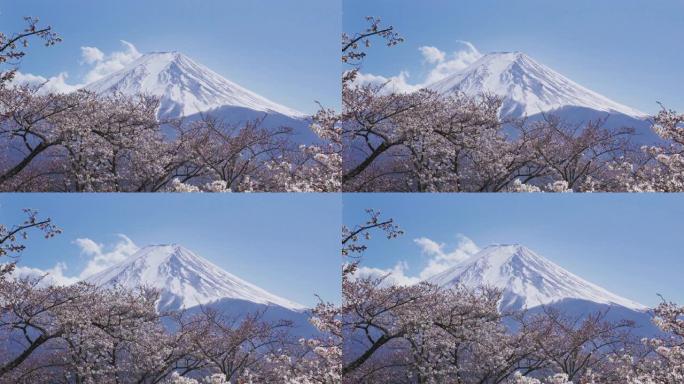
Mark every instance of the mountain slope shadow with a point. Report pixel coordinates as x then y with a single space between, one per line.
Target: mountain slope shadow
238 309
580 309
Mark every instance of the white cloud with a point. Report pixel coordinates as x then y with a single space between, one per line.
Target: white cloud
91 55
112 62
440 259
393 276
440 65
55 84
99 256
101 259
457 62
88 246
52 276
101 65
432 55
395 84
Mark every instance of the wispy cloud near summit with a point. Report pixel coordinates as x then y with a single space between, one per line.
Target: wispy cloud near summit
439 64
99 65
100 257
440 258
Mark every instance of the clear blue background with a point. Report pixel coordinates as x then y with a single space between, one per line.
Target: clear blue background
287 244
628 50
628 244
287 51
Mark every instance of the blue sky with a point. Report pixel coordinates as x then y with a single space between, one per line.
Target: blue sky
628 244
287 244
287 51
627 50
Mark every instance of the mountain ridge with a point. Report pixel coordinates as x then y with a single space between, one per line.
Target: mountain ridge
184 279
184 86
527 279
527 86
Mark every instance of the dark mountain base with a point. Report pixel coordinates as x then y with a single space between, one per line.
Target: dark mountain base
238 309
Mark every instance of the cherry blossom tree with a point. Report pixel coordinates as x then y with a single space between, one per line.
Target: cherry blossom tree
658 168
237 348
12 46
81 333
663 361
420 141
576 346
574 154
423 141
422 333
25 130
11 238
86 142
352 53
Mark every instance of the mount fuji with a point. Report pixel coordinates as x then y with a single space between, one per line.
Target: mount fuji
184 278
189 89
189 282
530 89
529 281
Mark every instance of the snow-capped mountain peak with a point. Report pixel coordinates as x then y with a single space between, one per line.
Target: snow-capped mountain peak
184 86
527 87
527 279
184 279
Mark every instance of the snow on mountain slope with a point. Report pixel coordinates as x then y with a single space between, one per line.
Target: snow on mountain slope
184 86
528 87
527 279
184 278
